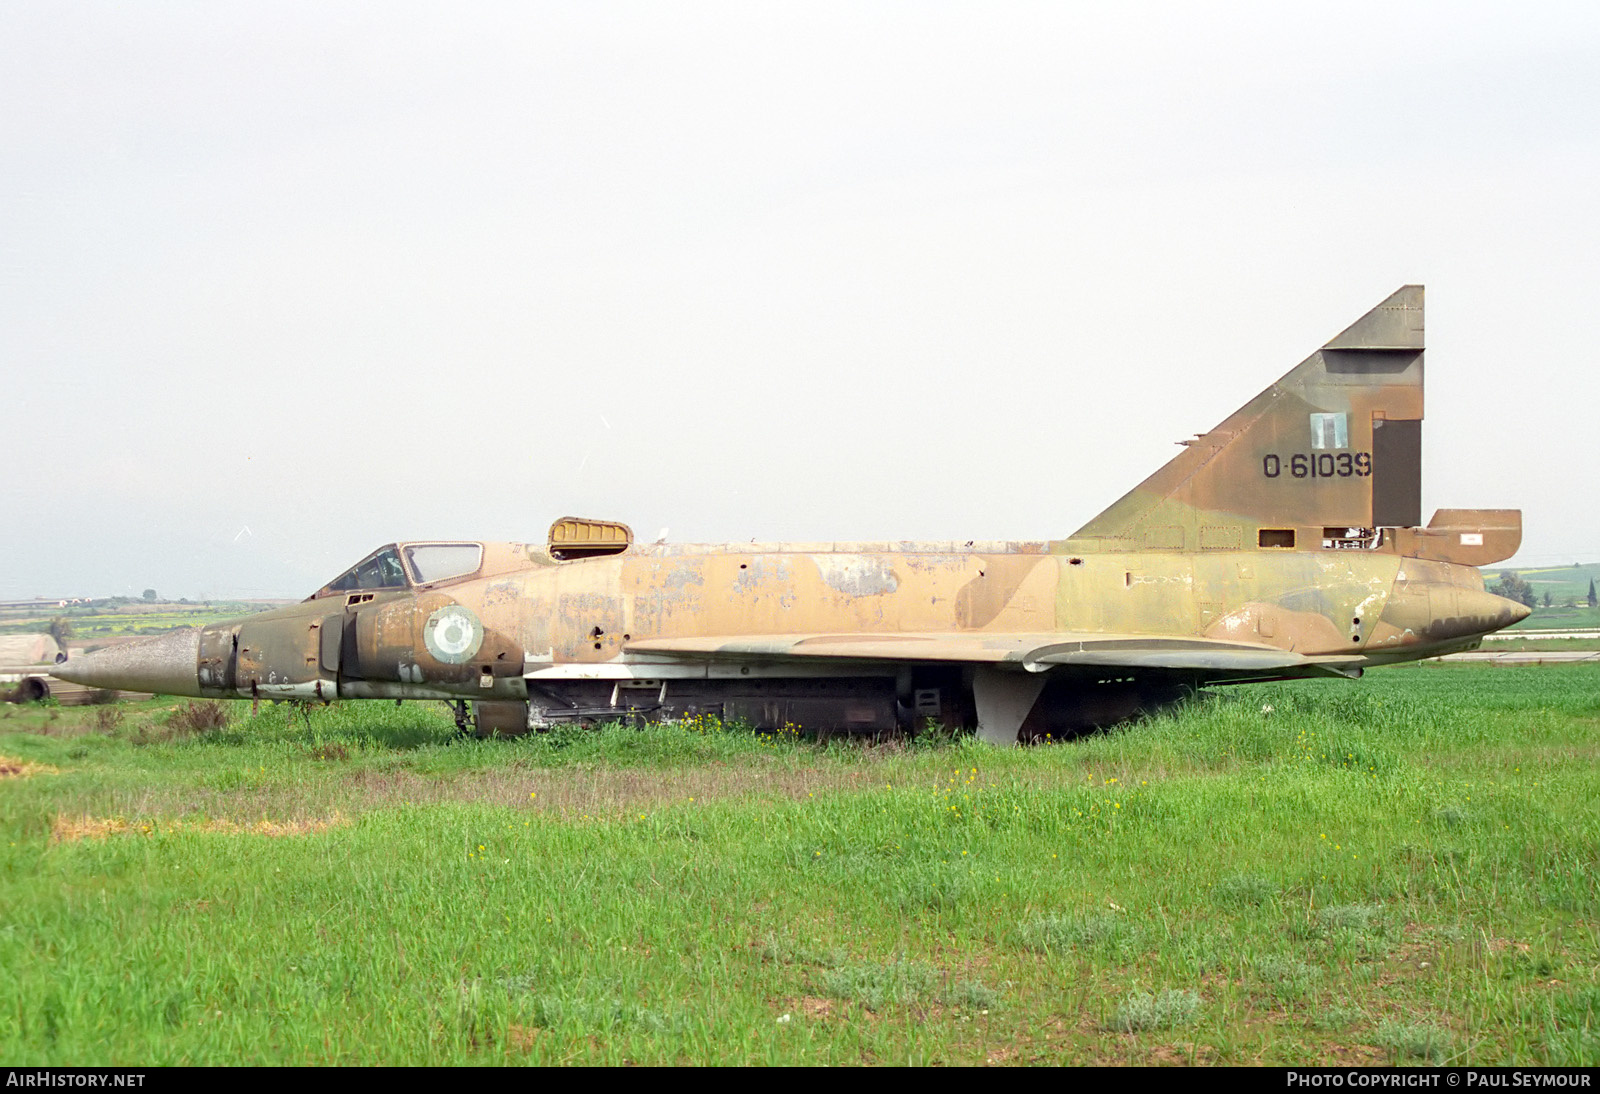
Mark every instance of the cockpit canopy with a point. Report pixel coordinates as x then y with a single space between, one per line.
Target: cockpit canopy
404 565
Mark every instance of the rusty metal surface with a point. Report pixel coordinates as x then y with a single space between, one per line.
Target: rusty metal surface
1261 551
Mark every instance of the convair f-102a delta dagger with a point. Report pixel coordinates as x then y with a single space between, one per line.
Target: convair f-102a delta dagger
1286 542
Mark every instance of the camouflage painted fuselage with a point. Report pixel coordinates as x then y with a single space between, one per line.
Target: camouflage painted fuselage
1285 542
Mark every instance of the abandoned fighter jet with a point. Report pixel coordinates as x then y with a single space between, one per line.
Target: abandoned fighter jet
1286 542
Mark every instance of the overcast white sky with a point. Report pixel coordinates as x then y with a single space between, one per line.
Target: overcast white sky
282 282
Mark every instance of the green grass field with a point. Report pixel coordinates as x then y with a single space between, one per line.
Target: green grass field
1559 618
1404 868
1562 582
102 620
1536 644
1568 587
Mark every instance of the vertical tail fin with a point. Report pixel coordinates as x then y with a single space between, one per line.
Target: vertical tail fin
1335 444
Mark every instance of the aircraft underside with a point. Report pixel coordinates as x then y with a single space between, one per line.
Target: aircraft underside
941 698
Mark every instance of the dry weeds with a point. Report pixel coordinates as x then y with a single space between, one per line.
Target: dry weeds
67 829
23 769
522 1038
574 794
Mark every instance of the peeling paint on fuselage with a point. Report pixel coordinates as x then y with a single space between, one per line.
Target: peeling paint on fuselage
857 575
587 611
639 596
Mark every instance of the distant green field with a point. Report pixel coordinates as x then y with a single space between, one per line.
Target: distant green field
1541 645
1401 869
1565 584
1559 581
1544 619
111 621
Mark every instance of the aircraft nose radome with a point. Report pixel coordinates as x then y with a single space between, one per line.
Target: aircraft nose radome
167 665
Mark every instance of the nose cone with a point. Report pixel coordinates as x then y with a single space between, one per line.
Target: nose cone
1428 613
1459 612
166 665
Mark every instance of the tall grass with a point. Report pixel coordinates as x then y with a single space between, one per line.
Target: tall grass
1400 869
